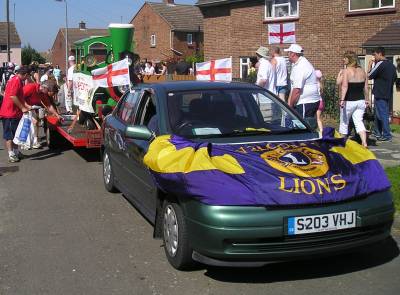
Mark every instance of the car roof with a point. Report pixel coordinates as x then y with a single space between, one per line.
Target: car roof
199 85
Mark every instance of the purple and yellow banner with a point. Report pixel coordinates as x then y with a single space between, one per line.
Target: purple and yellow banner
266 173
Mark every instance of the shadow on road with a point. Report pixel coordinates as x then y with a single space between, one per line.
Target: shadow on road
89 155
45 154
309 269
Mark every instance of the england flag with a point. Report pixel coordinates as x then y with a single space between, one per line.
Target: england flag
281 33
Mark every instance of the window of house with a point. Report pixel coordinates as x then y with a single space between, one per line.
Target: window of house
189 38
356 5
281 8
153 40
3 47
361 61
244 67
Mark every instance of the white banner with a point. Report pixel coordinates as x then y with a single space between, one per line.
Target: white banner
83 92
281 33
214 70
116 74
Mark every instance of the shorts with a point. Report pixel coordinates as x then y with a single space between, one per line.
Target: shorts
282 89
307 110
10 126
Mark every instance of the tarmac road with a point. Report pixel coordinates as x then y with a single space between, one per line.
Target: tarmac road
62 233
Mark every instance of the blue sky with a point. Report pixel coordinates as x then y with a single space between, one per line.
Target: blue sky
38 21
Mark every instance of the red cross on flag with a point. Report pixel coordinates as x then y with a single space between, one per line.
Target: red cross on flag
214 70
281 33
116 74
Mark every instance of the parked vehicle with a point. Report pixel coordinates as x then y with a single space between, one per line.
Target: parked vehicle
231 114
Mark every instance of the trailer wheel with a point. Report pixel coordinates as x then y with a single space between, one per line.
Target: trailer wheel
108 174
53 139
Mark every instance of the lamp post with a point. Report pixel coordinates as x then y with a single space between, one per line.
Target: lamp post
66 33
8 30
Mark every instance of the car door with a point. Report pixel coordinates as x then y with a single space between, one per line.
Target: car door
123 116
112 135
141 184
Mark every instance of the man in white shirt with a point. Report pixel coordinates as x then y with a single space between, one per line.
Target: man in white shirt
279 64
304 96
70 84
266 76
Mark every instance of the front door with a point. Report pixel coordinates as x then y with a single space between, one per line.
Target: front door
140 181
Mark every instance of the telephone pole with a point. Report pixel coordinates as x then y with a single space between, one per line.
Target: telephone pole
8 30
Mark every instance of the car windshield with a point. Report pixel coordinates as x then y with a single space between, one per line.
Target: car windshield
230 112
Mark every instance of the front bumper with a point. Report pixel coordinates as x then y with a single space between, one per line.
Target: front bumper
241 235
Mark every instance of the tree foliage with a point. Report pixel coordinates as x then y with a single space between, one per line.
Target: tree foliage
30 54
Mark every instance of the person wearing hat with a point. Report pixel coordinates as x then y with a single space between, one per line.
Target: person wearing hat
266 76
7 75
70 85
11 111
304 96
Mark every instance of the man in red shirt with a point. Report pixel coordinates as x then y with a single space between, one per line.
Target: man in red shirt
11 111
40 95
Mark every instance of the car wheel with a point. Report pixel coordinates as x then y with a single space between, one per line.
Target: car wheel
108 175
176 244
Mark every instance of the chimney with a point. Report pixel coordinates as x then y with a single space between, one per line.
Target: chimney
171 2
82 25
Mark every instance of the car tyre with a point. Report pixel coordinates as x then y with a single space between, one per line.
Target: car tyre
108 174
176 242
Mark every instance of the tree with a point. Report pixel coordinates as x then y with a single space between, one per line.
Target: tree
30 54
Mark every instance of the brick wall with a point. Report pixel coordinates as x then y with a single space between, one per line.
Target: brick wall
180 43
323 29
146 23
58 51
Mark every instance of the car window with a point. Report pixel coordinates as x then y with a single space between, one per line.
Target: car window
146 114
226 112
126 110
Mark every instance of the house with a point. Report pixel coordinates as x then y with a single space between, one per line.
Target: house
15 44
166 31
74 34
325 29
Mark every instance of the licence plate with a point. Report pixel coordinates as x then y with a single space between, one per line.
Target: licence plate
320 223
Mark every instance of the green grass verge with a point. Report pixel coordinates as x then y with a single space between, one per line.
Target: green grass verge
394 176
395 128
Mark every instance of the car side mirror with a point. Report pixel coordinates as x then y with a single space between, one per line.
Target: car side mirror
139 132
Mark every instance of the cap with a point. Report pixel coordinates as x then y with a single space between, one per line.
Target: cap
294 48
263 51
71 58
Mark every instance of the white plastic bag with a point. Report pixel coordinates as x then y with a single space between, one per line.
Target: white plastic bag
25 131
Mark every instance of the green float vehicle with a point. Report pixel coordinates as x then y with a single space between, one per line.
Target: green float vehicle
90 54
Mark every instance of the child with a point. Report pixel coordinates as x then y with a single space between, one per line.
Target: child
321 107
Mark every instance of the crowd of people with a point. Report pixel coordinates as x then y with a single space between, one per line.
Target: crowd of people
23 87
153 68
27 89
303 90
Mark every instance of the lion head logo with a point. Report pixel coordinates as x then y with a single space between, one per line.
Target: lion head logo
301 161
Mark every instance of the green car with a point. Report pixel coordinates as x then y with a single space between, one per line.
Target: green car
213 228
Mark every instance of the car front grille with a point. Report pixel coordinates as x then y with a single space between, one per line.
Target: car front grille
306 241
